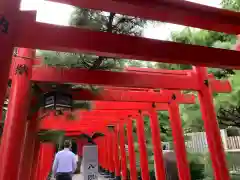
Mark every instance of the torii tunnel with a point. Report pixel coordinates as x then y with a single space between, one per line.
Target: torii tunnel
127 96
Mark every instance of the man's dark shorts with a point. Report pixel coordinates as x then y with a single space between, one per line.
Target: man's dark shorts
64 176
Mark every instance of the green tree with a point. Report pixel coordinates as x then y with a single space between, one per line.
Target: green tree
233 5
228 105
191 113
208 39
100 21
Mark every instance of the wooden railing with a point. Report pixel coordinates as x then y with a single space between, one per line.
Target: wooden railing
197 142
233 143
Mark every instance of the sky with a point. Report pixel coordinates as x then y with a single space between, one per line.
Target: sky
56 13
163 31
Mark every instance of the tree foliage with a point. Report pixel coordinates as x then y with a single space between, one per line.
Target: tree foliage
226 104
99 21
233 5
209 39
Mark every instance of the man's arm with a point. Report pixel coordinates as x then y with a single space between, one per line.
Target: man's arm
55 165
74 163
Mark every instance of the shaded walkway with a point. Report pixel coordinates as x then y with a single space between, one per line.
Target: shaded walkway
80 177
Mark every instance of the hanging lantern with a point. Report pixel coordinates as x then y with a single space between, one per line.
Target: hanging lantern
57 101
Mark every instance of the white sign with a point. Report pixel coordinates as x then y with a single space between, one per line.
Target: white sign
90 162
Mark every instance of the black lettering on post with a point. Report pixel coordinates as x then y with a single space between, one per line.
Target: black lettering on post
4 24
91 177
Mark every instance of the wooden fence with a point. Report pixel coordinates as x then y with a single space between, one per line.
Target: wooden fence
197 142
233 143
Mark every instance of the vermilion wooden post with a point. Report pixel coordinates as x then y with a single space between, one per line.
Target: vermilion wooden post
36 158
101 154
116 154
80 144
107 160
157 145
106 164
178 140
8 16
123 151
97 142
104 155
28 152
111 155
142 147
110 168
15 124
47 151
211 127
31 131
131 151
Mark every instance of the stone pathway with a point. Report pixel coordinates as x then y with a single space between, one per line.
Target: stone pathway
80 177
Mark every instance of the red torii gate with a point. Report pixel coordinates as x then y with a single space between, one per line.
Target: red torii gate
108 147
99 105
116 45
185 13
124 106
44 157
127 84
108 121
12 17
49 123
47 151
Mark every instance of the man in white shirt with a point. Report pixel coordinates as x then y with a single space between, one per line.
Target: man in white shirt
65 163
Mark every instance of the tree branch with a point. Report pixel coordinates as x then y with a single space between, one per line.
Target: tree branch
109 25
230 116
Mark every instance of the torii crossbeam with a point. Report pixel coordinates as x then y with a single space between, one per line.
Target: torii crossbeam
15 31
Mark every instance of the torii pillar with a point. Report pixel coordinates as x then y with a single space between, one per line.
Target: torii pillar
116 153
214 140
9 11
36 160
46 158
123 151
28 150
131 151
16 119
142 147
